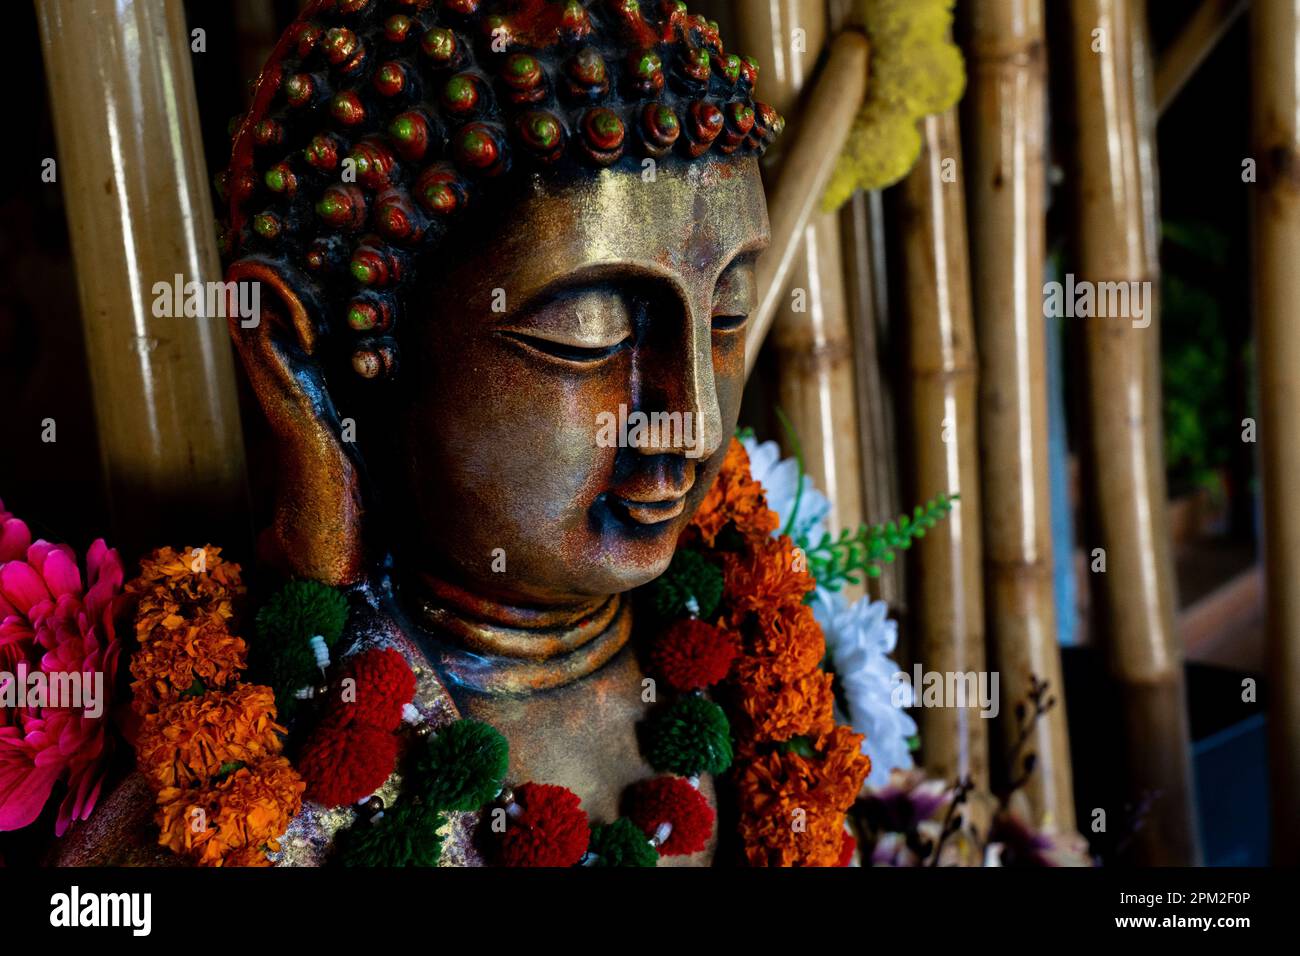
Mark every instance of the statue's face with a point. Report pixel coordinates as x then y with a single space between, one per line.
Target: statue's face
589 304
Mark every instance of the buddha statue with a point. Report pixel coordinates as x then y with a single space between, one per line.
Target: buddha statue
482 229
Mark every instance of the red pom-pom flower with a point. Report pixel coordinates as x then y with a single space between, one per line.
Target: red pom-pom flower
384 684
343 764
674 801
549 828
353 749
692 655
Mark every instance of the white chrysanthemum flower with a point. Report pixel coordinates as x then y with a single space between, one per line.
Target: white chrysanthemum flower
859 636
780 480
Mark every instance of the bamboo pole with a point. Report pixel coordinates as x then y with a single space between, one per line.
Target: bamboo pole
1275 63
945 438
132 174
1199 36
862 238
815 140
862 234
1006 173
1118 242
811 334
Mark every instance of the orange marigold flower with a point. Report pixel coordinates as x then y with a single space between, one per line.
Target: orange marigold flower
248 856
843 766
779 711
188 740
734 497
818 843
169 588
230 823
784 818
764 578
829 777
176 570
165 668
789 639
159 613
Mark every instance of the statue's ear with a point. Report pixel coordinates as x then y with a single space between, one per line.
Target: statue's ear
316 532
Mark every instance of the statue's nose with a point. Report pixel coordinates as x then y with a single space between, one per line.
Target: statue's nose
678 384
701 394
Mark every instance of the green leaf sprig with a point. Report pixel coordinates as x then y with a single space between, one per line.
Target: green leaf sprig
836 561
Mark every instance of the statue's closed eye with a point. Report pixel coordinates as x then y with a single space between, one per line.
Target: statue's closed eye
729 323
569 351
586 325
735 295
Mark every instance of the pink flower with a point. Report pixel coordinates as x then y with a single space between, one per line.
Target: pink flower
14 536
52 624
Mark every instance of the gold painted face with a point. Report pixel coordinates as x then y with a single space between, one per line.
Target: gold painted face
572 382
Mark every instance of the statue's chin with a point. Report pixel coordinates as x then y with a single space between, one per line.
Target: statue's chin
619 580
606 552
613 574
593 582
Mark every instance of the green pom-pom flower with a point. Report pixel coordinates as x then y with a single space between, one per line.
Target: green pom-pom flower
621 843
463 766
690 738
283 656
302 610
690 575
285 668
406 835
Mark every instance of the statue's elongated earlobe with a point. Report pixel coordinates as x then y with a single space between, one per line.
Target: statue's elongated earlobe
316 532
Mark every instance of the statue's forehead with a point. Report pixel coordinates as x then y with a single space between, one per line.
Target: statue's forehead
690 222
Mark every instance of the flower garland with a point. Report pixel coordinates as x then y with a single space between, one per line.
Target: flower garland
860 637
355 747
463 768
734 618
797 773
209 745
906 819
296 631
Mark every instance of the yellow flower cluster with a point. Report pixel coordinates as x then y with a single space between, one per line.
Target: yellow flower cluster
916 70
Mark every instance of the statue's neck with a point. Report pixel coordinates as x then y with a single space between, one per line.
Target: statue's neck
496 648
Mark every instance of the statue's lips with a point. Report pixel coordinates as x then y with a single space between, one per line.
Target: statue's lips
653 512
